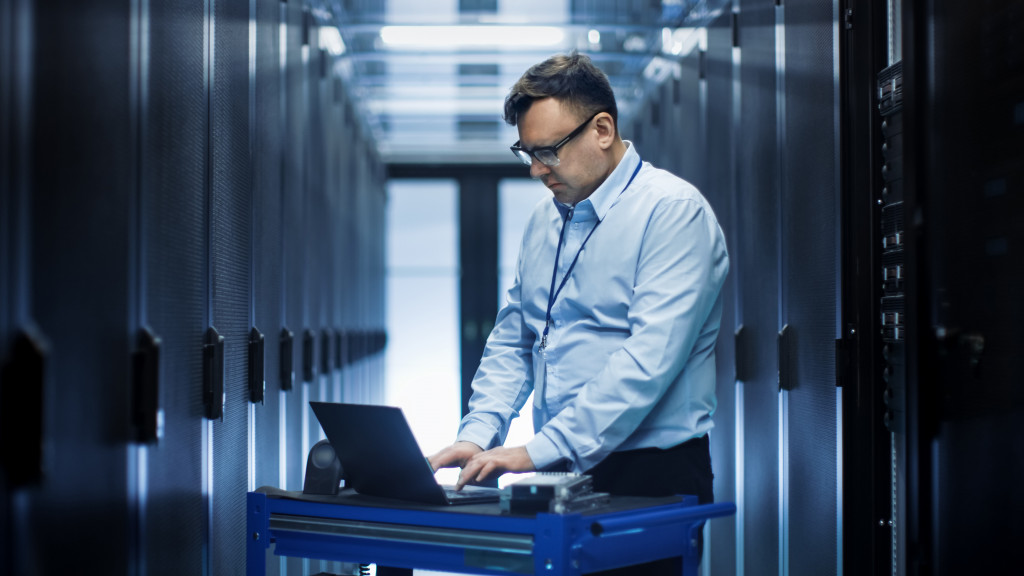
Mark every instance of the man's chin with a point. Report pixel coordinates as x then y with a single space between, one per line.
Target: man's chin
560 191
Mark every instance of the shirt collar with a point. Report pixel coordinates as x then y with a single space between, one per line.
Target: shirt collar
602 199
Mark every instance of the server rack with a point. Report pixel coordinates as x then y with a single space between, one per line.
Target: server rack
150 216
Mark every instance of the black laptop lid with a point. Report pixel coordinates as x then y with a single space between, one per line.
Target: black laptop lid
378 451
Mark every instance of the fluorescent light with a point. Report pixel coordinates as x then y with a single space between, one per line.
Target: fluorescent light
330 40
681 41
446 106
442 37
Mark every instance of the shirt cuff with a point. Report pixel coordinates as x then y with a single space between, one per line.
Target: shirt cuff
477 433
543 452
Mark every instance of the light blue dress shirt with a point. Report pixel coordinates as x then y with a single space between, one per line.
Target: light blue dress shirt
630 355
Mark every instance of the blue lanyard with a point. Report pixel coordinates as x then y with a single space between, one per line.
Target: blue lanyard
552 293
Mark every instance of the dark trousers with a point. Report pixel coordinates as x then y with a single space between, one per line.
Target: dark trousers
682 469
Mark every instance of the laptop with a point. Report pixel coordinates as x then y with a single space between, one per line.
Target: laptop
379 456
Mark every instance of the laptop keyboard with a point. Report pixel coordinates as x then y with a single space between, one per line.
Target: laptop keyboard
454 494
471 493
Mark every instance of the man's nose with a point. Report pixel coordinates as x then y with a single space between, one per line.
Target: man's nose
538 168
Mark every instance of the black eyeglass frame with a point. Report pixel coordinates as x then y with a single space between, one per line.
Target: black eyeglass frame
525 154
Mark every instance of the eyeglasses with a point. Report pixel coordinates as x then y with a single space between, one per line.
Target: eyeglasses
547 155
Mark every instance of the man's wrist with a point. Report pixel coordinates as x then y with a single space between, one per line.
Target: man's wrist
482 439
543 452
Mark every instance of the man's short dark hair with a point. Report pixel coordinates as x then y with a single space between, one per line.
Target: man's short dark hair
573 79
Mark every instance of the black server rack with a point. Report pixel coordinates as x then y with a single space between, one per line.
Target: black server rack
889 243
963 175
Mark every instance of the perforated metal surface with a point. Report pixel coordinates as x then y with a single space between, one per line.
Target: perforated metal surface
757 276
80 193
313 226
231 253
720 193
149 204
266 234
173 201
295 236
810 223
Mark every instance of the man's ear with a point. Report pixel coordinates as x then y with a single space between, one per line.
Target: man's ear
606 133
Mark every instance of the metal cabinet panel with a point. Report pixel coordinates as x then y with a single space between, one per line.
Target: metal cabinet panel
686 107
294 234
810 261
963 175
267 121
230 268
314 228
79 256
719 188
267 151
173 193
154 178
757 275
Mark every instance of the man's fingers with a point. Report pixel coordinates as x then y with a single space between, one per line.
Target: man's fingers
467 474
455 455
485 471
483 465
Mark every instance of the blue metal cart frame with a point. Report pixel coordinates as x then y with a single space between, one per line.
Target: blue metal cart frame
456 540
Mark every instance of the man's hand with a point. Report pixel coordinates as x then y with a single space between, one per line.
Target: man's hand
496 461
455 455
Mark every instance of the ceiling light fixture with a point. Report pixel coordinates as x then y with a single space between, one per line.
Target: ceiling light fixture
330 40
448 37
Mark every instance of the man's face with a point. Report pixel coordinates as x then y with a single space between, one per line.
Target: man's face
577 175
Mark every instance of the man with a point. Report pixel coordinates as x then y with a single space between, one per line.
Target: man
614 313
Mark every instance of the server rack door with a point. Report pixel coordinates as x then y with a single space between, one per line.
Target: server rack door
378 304
348 275
293 198
13 191
19 464
333 186
964 172
866 442
810 248
79 258
325 138
371 284
267 151
361 277
173 191
719 188
230 254
651 118
478 251
329 286
757 276
313 216
684 98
